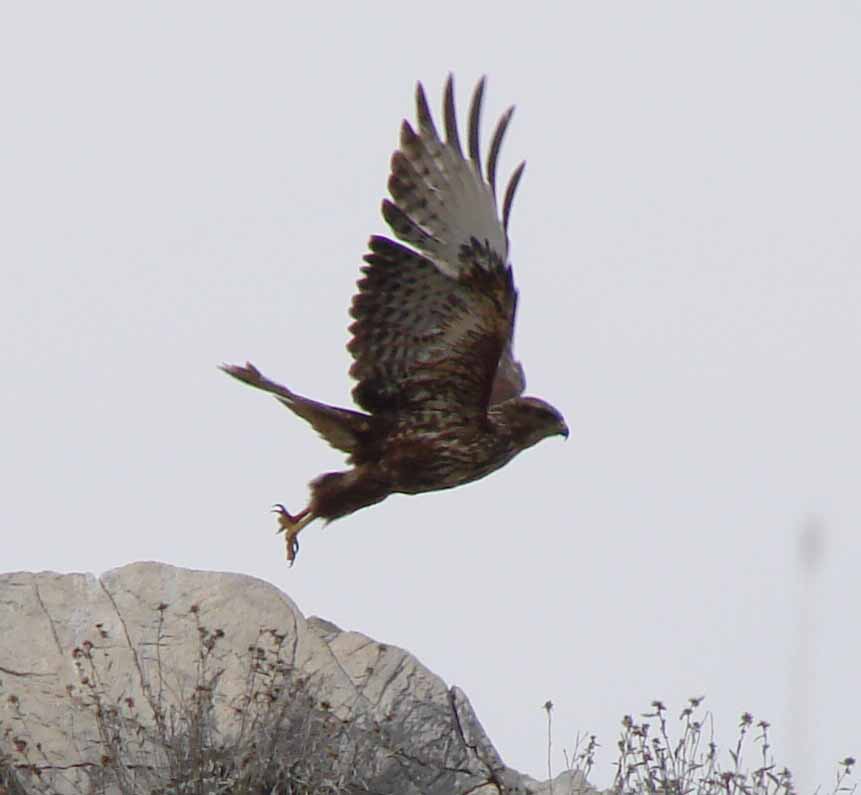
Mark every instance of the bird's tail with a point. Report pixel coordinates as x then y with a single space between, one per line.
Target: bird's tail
341 428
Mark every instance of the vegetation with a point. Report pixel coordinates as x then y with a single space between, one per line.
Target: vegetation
651 761
275 738
280 740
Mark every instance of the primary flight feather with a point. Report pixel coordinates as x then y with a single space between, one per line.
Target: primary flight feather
432 334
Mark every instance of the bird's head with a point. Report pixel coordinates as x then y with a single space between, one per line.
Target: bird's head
532 419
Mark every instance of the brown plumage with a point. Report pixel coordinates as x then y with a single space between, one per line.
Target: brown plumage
432 335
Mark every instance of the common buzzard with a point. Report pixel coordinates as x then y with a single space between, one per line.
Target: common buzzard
432 335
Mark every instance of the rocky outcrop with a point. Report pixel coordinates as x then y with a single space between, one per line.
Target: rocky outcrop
152 678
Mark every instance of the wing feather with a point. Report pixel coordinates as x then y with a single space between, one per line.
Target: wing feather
433 324
495 146
450 116
509 193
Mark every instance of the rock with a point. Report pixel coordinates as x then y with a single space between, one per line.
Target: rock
152 678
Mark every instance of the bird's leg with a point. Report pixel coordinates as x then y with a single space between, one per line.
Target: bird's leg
292 526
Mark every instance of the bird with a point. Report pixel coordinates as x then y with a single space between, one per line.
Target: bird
432 331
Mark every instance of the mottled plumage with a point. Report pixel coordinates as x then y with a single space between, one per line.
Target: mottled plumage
432 334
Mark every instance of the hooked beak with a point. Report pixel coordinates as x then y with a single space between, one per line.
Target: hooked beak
563 431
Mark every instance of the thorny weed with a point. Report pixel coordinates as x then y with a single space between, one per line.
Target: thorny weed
651 762
280 739
578 762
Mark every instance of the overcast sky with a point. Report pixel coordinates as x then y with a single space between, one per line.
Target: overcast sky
187 184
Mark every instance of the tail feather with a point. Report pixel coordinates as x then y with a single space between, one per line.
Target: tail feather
341 428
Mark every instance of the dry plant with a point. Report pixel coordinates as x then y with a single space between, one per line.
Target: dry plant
651 762
280 741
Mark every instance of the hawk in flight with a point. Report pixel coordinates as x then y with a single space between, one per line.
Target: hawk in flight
433 326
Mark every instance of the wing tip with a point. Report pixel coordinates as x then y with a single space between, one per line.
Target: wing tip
513 182
496 147
452 137
423 113
475 125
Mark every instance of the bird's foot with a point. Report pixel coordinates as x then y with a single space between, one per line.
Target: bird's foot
291 526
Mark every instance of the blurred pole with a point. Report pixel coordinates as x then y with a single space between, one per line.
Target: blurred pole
802 683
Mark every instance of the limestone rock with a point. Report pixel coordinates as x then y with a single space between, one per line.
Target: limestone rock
152 678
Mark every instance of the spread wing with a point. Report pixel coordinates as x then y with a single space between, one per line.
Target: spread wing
434 321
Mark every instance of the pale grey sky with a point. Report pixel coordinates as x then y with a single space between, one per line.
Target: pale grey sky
186 184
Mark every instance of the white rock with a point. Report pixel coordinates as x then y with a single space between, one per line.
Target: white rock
119 684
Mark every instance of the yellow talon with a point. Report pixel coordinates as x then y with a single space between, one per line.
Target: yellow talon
291 526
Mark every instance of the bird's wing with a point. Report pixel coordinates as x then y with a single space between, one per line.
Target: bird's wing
510 379
434 321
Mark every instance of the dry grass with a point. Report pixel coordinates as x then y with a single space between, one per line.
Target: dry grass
281 740
655 758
